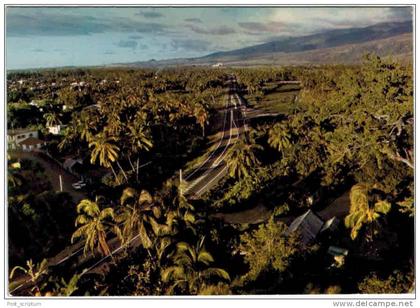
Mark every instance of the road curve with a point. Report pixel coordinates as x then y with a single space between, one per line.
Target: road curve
207 175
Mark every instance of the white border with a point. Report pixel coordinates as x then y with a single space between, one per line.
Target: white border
202 301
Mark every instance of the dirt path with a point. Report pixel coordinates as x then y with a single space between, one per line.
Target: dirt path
53 171
255 215
338 208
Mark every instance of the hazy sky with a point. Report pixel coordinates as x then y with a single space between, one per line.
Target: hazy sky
48 37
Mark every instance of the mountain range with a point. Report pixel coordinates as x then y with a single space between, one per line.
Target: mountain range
340 46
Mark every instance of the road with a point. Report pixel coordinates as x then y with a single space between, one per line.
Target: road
208 173
52 170
339 208
199 181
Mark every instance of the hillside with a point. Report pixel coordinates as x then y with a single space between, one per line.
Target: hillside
336 46
399 47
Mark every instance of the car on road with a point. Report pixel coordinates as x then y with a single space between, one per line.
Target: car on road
78 185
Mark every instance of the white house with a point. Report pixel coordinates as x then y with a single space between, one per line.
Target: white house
217 64
56 129
16 136
31 144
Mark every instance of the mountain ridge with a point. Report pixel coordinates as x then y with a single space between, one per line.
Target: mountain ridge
378 38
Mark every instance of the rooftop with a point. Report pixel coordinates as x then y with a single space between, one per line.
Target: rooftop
31 141
17 131
308 224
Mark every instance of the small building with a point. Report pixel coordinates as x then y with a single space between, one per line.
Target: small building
307 225
16 136
32 144
34 103
73 165
56 129
217 64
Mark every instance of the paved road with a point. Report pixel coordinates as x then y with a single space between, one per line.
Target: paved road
199 181
208 173
204 177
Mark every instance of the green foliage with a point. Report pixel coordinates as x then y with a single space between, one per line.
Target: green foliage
241 157
407 206
361 210
139 217
63 288
279 137
267 249
190 272
350 124
34 271
94 224
396 283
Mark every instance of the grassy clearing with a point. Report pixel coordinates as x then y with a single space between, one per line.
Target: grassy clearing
281 100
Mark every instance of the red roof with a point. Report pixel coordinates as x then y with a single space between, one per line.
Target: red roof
32 141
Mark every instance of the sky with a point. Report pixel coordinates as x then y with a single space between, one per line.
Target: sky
83 36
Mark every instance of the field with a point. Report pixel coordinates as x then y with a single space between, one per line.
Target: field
280 99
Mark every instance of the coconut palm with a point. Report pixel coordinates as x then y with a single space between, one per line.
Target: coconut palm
201 115
52 118
190 271
34 271
139 216
105 150
361 210
241 158
70 137
279 137
94 224
138 139
180 216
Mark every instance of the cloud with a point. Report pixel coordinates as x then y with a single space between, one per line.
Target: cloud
191 45
44 22
222 30
143 47
109 52
150 14
21 24
135 37
271 26
127 44
401 13
194 20
38 50
319 19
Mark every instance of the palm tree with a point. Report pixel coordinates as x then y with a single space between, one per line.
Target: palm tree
180 216
71 135
279 138
94 224
34 271
361 210
104 150
139 216
241 158
52 119
138 139
201 115
190 271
